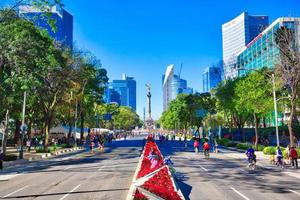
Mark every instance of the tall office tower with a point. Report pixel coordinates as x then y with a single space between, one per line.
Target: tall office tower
236 34
126 88
211 77
172 86
167 80
62 18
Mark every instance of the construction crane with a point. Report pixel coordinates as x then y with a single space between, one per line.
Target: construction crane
180 70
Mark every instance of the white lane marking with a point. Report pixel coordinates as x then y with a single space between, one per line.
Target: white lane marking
239 193
14 192
101 167
70 192
294 192
8 176
203 168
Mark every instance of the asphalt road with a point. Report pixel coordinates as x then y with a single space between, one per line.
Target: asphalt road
223 177
108 175
80 175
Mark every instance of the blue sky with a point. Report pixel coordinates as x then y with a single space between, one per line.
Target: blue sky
141 37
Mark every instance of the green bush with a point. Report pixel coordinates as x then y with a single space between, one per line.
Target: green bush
269 150
10 157
230 144
243 146
64 146
272 150
223 141
259 147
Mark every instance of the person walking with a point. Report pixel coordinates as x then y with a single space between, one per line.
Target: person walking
294 156
196 145
28 144
1 159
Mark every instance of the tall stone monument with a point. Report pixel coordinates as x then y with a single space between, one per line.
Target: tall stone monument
149 124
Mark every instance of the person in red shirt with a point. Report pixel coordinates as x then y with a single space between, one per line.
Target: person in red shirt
196 145
294 156
206 148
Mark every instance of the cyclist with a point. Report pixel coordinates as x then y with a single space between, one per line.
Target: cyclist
251 156
279 157
206 148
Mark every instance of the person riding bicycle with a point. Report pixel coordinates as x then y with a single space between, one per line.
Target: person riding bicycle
206 147
251 155
279 157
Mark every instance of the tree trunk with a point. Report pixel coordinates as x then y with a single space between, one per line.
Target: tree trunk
18 124
256 121
47 130
69 134
81 127
4 142
46 139
290 122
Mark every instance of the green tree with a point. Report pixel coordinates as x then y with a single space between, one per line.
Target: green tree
254 94
288 68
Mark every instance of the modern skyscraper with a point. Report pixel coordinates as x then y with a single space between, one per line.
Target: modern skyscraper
262 51
211 77
172 86
122 92
63 21
236 34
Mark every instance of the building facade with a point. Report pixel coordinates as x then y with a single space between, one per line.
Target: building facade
173 85
122 92
262 51
236 34
63 30
211 77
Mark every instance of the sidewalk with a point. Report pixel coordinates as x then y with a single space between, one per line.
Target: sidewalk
263 160
32 155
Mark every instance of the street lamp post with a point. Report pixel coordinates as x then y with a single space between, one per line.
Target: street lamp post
275 109
23 127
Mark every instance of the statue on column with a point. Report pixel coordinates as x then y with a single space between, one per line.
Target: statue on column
149 124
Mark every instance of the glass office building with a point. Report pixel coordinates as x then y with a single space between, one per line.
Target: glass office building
262 51
172 86
236 34
122 92
63 21
211 77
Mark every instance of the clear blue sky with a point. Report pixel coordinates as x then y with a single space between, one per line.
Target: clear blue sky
141 37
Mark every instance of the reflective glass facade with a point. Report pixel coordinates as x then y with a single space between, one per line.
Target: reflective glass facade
236 34
262 51
63 21
211 77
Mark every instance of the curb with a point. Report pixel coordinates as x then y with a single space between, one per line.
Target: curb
40 157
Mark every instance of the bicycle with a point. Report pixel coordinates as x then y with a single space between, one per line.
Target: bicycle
206 154
252 164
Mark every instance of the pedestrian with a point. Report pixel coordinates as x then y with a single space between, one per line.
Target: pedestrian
1 159
196 145
294 156
28 145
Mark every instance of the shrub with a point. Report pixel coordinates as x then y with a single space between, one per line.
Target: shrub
10 157
269 150
230 144
243 146
223 141
259 147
